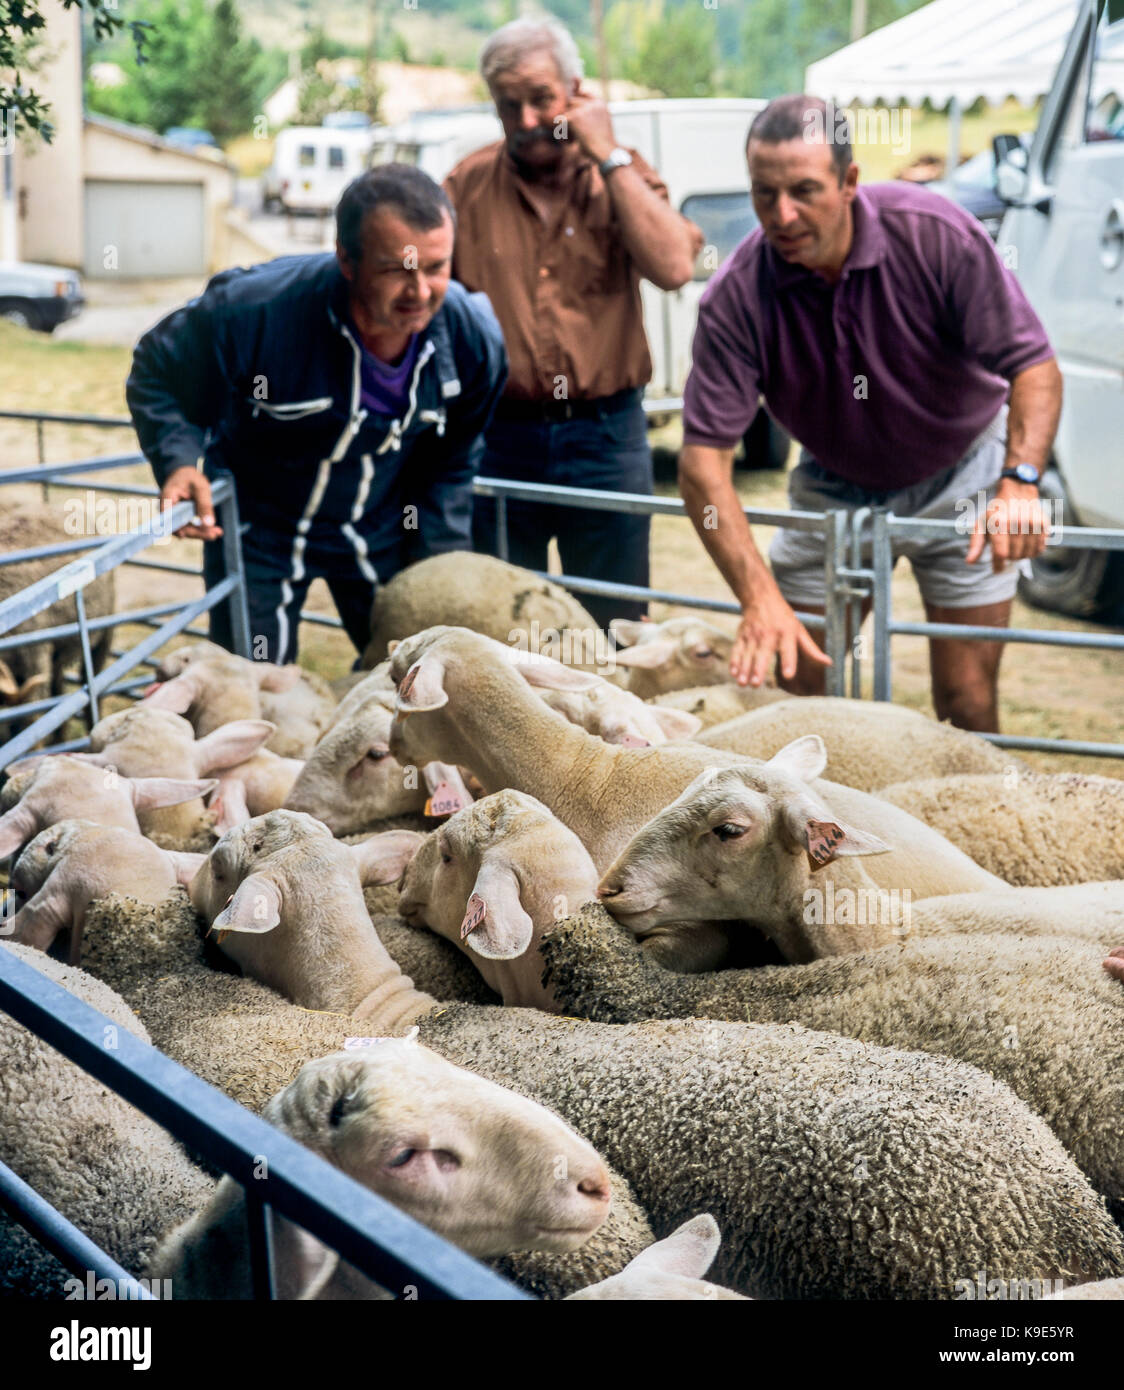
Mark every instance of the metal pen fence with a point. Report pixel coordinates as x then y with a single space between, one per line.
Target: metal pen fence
276 1173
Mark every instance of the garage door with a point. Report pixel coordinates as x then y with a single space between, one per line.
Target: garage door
143 229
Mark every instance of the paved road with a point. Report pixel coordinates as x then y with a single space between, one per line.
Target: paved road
117 312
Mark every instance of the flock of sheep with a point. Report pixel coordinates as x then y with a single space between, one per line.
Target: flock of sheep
599 978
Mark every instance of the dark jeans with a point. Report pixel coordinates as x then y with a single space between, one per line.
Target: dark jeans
609 452
275 599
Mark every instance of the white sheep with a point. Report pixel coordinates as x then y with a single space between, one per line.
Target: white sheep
1031 829
618 716
68 865
484 594
146 742
456 690
715 704
671 1269
249 1042
917 1133
678 653
350 781
35 672
61 787
113 1172
488 1170
1037 1013
492 880
214 690
868 742
774 852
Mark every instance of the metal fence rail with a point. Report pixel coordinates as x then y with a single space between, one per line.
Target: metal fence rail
386 1244
884 528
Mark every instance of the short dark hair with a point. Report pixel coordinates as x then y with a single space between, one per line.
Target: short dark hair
796 117
419 201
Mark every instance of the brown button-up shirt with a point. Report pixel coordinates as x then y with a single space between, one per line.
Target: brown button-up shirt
563 286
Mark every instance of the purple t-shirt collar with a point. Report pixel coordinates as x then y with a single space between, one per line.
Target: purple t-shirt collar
384 387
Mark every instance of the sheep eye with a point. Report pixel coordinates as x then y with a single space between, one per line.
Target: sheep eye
376 755
703 653
401 1159
728 831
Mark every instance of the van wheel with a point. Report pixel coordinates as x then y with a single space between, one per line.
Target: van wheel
18 314
1085 584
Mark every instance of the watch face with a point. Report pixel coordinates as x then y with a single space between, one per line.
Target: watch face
1026 472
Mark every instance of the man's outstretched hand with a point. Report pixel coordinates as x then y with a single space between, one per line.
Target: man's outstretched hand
189 485
770 629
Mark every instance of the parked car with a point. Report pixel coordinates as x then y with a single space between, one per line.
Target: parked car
712 191
972 185
190 138
1064 233
39 296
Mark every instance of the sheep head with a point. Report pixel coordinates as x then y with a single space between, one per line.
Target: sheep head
730 836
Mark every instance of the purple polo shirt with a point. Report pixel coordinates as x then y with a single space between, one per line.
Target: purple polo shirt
885 377
385 388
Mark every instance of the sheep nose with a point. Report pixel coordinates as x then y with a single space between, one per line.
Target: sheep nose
634 741
596 1187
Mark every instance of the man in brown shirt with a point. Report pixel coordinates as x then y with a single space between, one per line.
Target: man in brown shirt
557 224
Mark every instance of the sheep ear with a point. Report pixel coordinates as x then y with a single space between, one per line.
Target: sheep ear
302 1265
689 1251
676 723
422 687
825 839
495 925
29 763
149 793
628 631
649 656
544 673
186 865
804 757
383 858
276 679
17 826
176 695
9 686
41 919
447 791
254 907
232 743
229 806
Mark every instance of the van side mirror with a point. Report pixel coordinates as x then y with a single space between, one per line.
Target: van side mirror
1011 180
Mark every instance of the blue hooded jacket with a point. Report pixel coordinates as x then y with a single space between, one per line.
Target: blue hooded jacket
260 375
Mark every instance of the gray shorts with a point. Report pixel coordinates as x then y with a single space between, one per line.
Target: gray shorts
943 576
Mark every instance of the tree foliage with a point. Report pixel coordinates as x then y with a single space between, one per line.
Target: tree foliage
657 44
198 70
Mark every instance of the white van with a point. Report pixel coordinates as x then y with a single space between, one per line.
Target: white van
698 146
1064 234
312 165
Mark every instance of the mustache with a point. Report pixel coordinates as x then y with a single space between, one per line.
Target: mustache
534 137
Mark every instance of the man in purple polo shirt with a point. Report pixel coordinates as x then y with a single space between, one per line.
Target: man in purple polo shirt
883 332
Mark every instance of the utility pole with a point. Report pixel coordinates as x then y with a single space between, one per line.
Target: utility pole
858 19
602 51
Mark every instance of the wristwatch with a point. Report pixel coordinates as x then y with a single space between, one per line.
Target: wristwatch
615 159
1023 473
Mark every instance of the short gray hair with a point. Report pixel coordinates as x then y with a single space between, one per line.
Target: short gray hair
509 45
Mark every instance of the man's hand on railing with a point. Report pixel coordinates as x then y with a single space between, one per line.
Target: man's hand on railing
1016 523
768 629
189 485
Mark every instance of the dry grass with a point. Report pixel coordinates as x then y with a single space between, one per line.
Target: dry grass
1045 692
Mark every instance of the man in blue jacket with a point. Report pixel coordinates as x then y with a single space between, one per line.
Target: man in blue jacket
345 393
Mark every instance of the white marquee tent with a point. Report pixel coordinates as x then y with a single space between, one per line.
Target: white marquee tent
951 50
